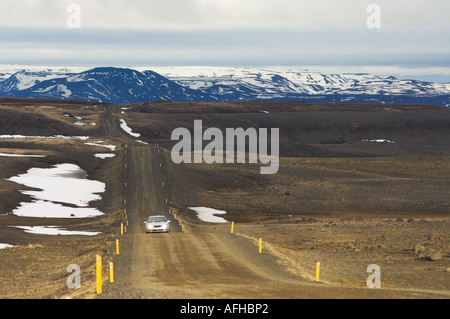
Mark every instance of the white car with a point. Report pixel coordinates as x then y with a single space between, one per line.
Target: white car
157 224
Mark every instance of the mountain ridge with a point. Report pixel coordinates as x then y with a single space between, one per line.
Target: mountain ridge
217 84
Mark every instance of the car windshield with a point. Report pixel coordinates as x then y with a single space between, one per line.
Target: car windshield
156 219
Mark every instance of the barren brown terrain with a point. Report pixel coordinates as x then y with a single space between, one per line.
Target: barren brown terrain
338 199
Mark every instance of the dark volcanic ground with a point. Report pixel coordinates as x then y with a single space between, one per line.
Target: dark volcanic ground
329 164
337 197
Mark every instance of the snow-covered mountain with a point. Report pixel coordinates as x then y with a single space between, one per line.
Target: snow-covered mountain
293 84
129 85
24 79
108 85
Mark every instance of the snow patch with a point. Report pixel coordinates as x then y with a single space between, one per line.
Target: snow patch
111 147
63 137
44 209
378 140
127 129
60 184
20 155
54 230
207 214
104 155
63 90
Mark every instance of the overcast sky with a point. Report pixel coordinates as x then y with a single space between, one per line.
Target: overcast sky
413 41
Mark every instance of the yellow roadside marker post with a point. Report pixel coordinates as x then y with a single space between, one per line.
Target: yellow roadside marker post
317 271
111 272
121 228
117 246
99 274
260 245
232 227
